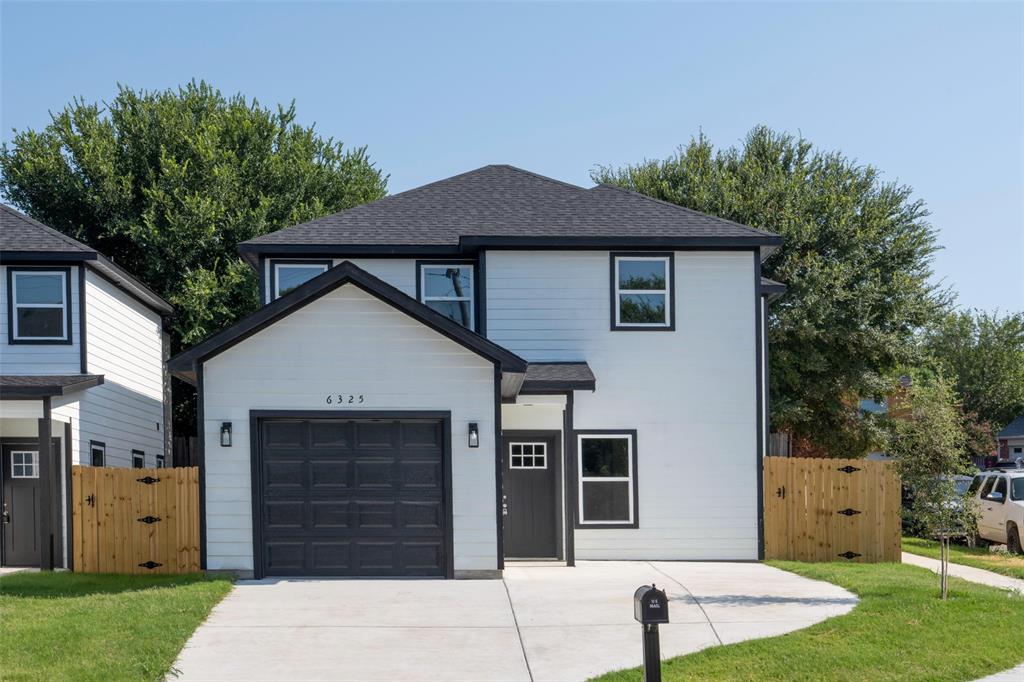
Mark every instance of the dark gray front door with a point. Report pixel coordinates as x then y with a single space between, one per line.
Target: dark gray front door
531 465
353 497
20 504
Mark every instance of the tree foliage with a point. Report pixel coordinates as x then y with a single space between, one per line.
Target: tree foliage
984 354
856 261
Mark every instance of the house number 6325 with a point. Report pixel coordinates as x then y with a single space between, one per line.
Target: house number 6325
344 399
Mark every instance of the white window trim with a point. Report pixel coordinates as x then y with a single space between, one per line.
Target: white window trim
161 461
34 463
324 267
543 453
667 291
607 479
458 299
141 455
63 305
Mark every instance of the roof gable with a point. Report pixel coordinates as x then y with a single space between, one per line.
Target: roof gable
1014 429
185 364
503 202
20 233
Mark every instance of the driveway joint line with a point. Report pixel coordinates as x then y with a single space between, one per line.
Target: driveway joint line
693 597
511 606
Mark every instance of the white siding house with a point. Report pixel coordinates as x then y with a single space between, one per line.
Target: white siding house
598 359
81 357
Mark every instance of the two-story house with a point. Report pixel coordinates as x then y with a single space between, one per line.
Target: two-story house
491 367
83 380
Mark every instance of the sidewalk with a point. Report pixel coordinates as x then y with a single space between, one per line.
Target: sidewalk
977 575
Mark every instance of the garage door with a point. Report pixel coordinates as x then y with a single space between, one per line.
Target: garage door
353 497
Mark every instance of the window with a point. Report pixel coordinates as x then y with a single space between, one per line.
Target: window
1017 489
24 464
607 466
39 305
642 291
99 453
138 459
987 488
975 484
999 487
528 456
161 461
448 289
287 275
1018 451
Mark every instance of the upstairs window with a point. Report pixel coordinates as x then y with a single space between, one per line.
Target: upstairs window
39 305
288 275
448 289
642 292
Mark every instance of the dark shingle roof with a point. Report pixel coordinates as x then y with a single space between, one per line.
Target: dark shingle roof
558 376
39 386
24 238
507 202
1014 429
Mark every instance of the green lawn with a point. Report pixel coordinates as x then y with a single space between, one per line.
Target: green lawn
69 626
978 557
900 630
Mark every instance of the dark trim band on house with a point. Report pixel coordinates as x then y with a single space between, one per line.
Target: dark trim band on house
68 503
32 386
12 303
615 323
83 335
569 450
633 479
760 444
184 365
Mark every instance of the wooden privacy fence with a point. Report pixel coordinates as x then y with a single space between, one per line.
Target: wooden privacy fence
831 510
135 520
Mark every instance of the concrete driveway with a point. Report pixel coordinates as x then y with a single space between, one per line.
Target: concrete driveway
539 623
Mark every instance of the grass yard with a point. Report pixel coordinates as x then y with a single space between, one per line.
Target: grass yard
979 557
900 630
70 626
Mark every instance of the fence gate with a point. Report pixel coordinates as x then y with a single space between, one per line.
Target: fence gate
831 510
135 520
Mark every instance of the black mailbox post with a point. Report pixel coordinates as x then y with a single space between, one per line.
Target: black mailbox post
650 608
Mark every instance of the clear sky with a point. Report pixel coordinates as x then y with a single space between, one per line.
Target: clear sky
932 94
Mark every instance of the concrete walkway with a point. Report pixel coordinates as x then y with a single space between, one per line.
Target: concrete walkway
539 623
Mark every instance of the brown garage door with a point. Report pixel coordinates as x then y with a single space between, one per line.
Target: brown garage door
352 497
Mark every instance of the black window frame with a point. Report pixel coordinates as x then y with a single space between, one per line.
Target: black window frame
613 286
579 522
474 304
275 262
66 272
95 445
161 461
142 457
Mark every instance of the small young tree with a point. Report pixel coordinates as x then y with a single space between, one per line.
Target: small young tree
928 443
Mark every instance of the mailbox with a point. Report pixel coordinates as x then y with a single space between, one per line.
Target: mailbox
650 605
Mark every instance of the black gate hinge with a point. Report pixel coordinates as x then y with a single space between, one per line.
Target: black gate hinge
848 512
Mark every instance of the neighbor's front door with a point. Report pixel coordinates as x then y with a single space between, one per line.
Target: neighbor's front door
20 504
531 467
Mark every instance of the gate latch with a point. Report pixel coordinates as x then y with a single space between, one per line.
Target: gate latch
91 500
781 492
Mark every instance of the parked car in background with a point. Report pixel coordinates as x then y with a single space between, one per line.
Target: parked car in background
999 494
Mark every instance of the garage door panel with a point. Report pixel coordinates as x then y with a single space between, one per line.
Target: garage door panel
354 497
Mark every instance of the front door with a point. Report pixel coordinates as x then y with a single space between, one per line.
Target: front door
531 466
20 504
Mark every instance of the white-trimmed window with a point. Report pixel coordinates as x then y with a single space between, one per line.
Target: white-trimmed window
24 464
448 289
161 461
607 478
97 453
642 291
528 456
287 275
39 306
138 459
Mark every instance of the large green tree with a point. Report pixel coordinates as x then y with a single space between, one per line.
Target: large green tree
856 259
984 355
167 183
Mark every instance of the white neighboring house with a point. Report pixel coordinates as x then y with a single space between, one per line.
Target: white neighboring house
496 366
1011 440
83 380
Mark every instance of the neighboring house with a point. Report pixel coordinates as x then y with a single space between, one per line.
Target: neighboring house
494 366
82 381
1011 440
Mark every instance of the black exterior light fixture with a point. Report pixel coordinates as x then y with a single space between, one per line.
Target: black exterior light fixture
225 435
474 435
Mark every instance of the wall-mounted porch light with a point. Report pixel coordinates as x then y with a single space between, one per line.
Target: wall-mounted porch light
225 435
474 435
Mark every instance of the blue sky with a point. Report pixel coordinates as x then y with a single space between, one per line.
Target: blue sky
932 94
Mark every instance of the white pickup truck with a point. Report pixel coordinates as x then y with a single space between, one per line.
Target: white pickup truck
998 493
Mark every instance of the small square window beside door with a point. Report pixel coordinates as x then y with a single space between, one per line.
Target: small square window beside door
24 464
138 459
528 456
